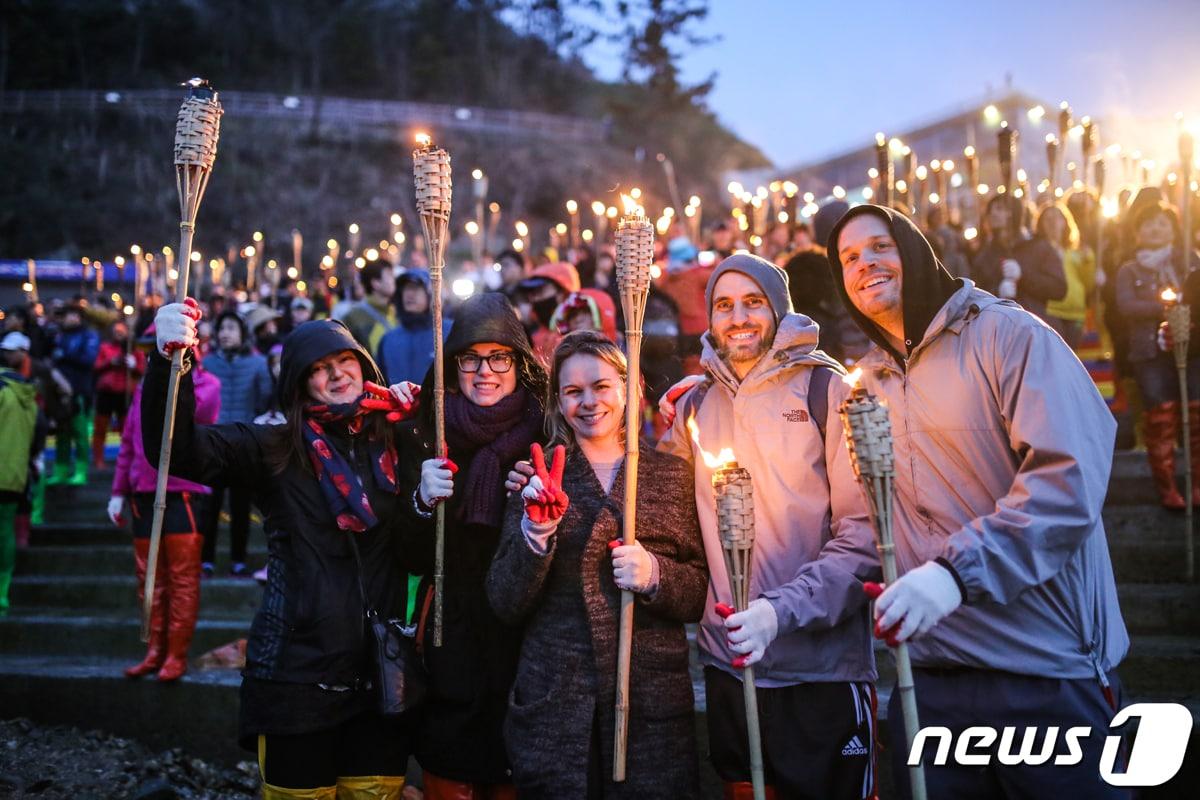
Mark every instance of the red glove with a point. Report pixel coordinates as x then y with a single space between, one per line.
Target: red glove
545 501
873 590
382 399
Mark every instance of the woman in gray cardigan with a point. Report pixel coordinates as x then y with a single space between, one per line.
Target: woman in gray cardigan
552 572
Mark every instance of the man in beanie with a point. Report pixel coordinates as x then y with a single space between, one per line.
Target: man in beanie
1003 448
767 396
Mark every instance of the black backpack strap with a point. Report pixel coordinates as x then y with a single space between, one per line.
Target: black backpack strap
818 397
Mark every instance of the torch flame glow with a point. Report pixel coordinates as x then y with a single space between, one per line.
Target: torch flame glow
853 378
631 206
1169 295
718 461
424 139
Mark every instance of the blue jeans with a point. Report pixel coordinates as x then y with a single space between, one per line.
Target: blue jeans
1158 379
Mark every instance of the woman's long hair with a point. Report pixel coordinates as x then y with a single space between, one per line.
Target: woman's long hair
588 343
1070 234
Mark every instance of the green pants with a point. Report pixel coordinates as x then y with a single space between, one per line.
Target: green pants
8 551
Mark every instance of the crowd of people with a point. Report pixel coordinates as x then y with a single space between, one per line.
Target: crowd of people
317 411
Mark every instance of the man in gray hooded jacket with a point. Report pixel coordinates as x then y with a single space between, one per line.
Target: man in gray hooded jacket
1003 448
806 629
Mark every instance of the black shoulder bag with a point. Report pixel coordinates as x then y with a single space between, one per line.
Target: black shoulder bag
400 682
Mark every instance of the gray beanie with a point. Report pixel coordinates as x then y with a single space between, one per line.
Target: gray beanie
770 278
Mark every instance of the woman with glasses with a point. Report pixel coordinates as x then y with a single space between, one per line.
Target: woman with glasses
493 401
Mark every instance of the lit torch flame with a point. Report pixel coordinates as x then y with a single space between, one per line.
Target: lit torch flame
851 379
1169 296
632 209
424 139
719 461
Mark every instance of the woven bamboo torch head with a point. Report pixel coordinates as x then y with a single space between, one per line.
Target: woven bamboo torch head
868 432
198 126
634 257
431 177
1179 318
734 494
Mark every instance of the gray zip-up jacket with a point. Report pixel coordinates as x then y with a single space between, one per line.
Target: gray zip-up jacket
813 542
1003 450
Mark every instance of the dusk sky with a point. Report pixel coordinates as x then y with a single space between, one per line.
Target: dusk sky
803 80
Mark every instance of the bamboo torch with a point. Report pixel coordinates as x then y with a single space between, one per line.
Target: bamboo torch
1007 151
869 441
431 178
1179 318
635 256
735 524
196 132
31 279
887 177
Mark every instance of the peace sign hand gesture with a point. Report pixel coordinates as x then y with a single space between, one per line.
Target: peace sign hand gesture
545 501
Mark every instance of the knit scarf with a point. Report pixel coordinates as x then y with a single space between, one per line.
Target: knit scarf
344 492
493 436
1160 261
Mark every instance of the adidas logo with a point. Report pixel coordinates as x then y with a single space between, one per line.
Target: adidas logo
854 748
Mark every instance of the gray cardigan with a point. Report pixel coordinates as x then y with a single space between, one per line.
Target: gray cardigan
565 686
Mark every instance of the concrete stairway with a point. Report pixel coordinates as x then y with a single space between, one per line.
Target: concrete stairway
74 626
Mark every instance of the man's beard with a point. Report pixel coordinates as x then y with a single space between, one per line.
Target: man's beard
727 353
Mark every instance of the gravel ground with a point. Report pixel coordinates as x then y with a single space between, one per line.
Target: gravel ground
58 762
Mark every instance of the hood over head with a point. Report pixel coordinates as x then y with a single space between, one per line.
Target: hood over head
596 303
926 286
770 278
313 341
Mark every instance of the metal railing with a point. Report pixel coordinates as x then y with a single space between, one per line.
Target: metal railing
341 112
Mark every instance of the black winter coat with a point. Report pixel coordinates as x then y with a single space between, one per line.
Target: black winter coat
1042 276
309 629
458 732
565 686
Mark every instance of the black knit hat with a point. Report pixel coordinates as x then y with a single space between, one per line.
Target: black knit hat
487 317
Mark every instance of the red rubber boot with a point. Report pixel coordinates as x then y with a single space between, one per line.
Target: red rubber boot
156 648
183 565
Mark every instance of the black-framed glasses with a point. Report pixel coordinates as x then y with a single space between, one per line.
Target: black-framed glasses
497 362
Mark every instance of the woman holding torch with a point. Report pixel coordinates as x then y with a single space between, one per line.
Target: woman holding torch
552 574
1156 266
326 484
494 393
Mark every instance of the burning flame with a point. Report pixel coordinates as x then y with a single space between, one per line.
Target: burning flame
1169 295
424 139
718 461
853 378
631 207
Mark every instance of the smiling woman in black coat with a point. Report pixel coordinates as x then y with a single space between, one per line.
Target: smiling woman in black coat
325 476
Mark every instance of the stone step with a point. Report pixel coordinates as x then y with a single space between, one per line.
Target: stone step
41 632
1130 482
1147 543
1166 664
1160 608
225 596
106 559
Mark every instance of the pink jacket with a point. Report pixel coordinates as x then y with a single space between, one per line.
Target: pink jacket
134 473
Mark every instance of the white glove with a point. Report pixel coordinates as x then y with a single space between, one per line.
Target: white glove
633 567
921 599
175 327
405 391
437 481
116 506
1011 269
751 631
131 361
1008 289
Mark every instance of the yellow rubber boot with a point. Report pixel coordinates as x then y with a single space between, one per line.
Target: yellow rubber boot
370 787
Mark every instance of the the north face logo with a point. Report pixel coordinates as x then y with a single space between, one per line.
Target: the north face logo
854 747
796 415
